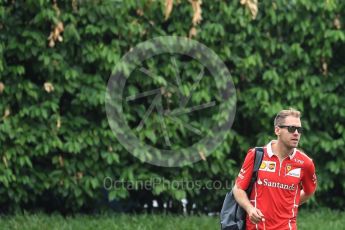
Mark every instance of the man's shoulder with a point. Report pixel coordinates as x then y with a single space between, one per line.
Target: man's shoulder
301 155
252 151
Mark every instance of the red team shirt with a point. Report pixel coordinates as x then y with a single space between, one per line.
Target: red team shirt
277 190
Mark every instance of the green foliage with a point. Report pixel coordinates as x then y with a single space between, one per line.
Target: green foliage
316 219
57 146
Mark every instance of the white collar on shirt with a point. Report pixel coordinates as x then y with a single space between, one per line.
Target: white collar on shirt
270 152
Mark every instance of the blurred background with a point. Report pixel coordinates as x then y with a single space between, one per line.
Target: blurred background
58 152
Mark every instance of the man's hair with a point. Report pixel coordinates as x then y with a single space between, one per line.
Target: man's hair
280 118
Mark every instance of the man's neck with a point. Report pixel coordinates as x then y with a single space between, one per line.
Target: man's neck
281 150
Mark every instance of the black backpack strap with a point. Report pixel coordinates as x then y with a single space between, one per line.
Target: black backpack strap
259 154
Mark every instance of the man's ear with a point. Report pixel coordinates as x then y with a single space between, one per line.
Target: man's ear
277 130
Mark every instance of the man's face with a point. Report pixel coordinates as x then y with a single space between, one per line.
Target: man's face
290 140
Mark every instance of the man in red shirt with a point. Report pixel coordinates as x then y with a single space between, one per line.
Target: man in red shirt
286 178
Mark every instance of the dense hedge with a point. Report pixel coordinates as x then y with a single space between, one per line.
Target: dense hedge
57 56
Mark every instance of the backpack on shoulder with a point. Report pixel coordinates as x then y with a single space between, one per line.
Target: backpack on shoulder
232 215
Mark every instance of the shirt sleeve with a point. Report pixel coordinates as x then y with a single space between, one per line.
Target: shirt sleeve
245 174
309 180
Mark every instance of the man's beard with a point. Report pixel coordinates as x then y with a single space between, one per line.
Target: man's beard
289 144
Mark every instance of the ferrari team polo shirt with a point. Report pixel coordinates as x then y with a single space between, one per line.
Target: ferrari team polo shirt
276 193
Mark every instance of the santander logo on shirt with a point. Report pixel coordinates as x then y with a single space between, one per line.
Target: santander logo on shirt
268 183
